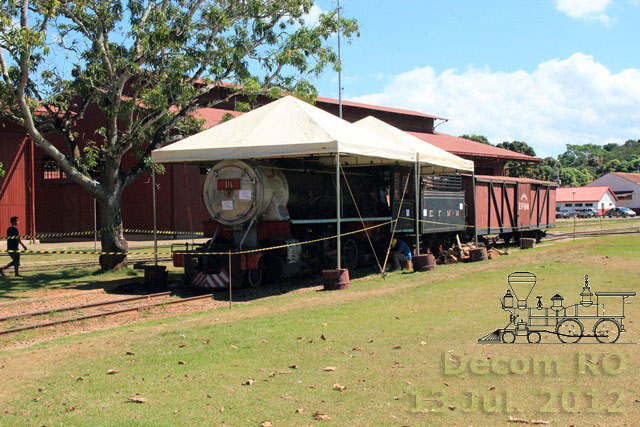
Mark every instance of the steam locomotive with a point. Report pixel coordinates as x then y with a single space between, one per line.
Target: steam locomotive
280 216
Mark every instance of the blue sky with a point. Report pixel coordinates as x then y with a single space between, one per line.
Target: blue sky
549 72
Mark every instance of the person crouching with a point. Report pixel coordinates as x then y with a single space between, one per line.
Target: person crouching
401 252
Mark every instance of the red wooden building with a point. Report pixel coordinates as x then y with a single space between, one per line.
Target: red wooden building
37 191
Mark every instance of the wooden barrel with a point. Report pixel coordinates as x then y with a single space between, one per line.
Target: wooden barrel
527 243
424 262
478 254
335 280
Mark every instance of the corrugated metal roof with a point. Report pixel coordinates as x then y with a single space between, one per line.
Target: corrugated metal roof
633 177
583 194
213 116
494 178
377 108
462 147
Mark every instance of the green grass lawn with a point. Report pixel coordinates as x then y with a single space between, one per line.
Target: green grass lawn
388 340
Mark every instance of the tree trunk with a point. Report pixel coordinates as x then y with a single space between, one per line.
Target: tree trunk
111 235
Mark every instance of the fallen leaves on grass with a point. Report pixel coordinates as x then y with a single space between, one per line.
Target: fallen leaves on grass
112 372
293 367
526 421
273 374
299 410
130 353
339 387
182 362
266 424
329 368
320 416
423 343
264 341
357 349
397 347
250 381
233 347
137 399
323 338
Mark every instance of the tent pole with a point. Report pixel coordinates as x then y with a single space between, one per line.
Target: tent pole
338 208
475 207
417 192
155 217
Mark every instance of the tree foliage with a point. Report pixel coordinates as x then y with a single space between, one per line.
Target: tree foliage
146 66
577 166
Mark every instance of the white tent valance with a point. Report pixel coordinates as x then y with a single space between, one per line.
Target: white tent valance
431 158
287 127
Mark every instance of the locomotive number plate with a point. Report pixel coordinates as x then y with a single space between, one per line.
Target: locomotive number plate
229 184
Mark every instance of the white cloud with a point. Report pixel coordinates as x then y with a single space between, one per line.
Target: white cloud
585 9
312 18
570 101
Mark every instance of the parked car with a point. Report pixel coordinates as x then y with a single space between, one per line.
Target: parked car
588 213
565 214
620 212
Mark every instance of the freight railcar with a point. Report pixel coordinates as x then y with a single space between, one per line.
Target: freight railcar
256 206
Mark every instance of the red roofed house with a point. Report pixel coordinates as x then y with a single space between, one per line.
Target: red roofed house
571 199
626 187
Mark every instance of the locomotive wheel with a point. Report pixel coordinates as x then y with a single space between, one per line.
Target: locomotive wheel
569 331
253 278
607 331
508 337
350 254
534 337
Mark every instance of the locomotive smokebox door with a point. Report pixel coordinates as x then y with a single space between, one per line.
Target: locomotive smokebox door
237 192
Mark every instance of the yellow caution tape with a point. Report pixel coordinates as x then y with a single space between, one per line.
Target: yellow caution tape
438 223
89 233
77 252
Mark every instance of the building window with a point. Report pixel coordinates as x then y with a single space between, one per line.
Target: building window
568 205
578 205
51 170
589 204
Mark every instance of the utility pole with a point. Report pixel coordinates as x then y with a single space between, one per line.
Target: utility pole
339 68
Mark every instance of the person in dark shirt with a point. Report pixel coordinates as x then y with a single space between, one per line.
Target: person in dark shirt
401 252
13 242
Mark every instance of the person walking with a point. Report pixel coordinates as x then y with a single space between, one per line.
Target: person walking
13 242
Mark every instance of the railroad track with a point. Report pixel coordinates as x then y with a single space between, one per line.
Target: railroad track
55 265
592 233
122 302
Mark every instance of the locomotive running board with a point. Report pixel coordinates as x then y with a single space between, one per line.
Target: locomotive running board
494 337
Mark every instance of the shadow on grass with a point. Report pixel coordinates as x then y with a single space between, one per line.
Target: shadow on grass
11 287
246 294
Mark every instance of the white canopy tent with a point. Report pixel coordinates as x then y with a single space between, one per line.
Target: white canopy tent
291 128
287 127
431 158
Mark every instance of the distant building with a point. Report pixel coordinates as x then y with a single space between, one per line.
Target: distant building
570 199
626 187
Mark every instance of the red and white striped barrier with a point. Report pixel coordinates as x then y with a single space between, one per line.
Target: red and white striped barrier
216 281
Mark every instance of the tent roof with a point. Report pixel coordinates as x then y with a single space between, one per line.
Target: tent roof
436 159
287 127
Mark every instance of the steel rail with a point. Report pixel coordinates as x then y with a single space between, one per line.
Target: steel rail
82 264
80 307
109 313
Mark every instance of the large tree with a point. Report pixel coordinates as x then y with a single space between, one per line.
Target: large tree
146 66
